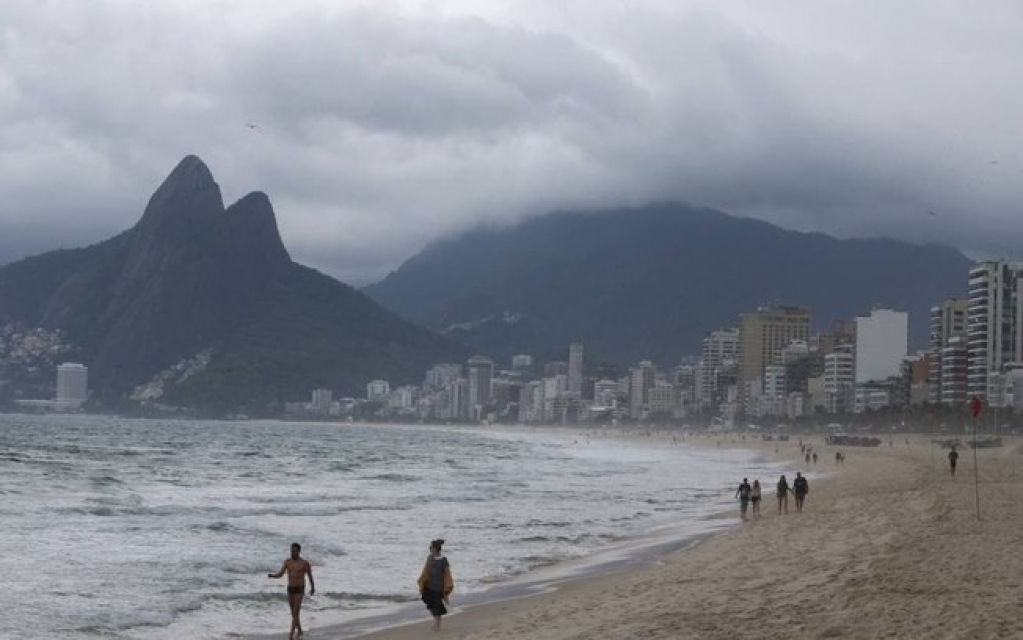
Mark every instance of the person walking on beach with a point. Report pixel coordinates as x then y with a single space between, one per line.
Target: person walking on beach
953 458
815 457
435 582
783 495
297 569
754 497
743 493
800 487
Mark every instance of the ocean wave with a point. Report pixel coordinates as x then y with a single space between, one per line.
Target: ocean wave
574 540
335 596
105 480
107 509
393 477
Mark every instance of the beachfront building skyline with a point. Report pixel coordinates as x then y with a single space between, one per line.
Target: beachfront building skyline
994 323
882 342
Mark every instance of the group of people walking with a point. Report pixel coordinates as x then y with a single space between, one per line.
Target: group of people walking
747 493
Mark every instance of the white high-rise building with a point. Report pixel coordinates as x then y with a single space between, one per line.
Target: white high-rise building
955 362
839 379
575 368
882 342
441 375
994 322
72 383
321 400
662 399
641 380
948 352
378 391
774 380
718 347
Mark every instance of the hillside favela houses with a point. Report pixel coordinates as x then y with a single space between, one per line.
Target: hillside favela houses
772 367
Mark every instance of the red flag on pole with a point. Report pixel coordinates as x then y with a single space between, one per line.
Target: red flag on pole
975 406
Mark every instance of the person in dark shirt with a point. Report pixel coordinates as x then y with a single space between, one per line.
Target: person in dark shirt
435 582
800 487
743 493
953 458
783 495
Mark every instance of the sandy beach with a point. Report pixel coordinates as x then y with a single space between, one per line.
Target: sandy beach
889 546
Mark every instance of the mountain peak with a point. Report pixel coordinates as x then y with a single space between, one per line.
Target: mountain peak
189 192
251 224
191 175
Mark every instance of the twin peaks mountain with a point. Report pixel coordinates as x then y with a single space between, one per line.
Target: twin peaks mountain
649 283
202 306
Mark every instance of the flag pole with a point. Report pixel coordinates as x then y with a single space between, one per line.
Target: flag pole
975 407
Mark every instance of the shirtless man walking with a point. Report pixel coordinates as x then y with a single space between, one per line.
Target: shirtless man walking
297 568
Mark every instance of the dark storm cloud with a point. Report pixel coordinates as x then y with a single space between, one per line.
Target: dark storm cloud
380 129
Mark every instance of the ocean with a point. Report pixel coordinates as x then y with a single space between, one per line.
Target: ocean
159 529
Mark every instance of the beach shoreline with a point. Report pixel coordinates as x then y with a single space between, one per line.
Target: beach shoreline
630 556
889 547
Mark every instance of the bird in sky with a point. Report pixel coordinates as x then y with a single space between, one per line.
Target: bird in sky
251 126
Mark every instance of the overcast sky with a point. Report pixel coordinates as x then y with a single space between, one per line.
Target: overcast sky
383 125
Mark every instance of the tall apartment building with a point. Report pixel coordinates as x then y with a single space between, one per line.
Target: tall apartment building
719 347
481 377
321 401
994 327
662 399
686 376
839 379
605 393
72 383
641 380
947 340
774 380
378 390
882 341
762 336
441 375
575 368
955 368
